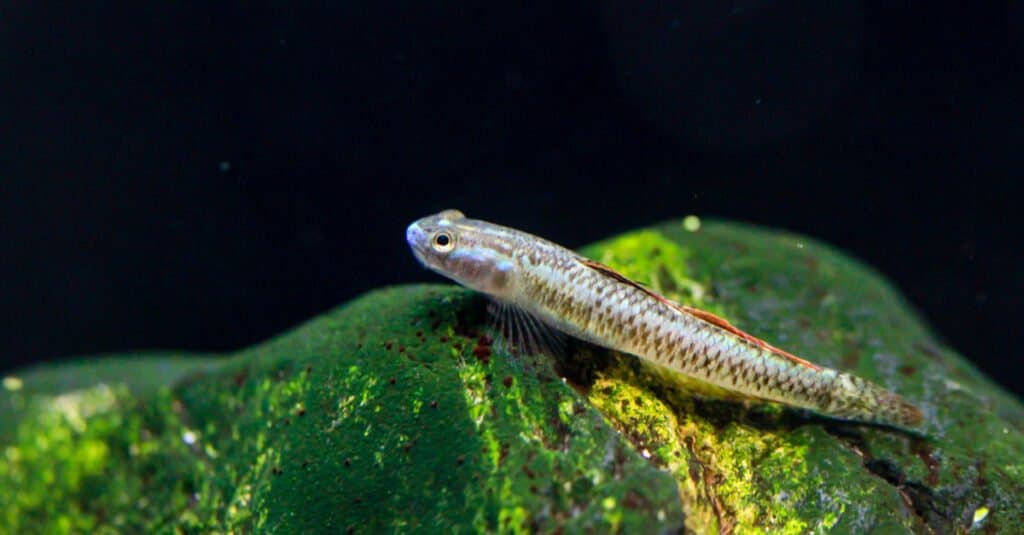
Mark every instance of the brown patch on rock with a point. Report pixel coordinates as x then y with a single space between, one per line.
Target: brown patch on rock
483 354
927 456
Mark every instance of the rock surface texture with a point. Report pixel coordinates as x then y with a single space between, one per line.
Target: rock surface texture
398 412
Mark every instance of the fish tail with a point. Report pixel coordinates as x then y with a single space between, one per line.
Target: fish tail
855 398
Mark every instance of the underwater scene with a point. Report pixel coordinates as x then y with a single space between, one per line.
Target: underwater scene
585 267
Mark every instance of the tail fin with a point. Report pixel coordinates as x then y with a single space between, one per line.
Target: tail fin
859 399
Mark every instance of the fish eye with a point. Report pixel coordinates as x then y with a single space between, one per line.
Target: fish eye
443 241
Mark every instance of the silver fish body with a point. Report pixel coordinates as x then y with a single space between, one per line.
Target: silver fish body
587 300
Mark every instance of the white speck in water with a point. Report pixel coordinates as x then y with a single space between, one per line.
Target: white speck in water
224 166
661 515
645 453
13 383
189 437
799 245
691 223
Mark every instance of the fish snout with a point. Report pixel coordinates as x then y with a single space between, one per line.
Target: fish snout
418 241
415 235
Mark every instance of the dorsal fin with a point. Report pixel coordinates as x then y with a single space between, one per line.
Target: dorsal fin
723 324
702 315
605 270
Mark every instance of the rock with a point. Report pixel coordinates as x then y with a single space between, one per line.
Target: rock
396 412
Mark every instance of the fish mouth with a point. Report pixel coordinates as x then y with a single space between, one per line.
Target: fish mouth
417 239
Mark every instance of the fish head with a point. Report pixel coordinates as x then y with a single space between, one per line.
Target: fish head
473 253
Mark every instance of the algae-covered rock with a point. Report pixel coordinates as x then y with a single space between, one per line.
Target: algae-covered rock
397 413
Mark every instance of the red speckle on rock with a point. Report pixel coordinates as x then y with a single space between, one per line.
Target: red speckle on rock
926 455
482 353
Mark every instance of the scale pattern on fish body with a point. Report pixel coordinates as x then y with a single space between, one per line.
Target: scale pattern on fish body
587 300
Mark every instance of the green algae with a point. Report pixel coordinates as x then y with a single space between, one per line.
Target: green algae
765 468
345 424
398 413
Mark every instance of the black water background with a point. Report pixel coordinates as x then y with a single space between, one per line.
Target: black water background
202 176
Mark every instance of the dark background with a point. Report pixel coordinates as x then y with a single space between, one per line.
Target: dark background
202 175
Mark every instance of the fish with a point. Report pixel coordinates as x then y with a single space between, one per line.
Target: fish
544 292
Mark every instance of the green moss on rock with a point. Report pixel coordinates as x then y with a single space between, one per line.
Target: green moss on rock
391 414
397 413
751 468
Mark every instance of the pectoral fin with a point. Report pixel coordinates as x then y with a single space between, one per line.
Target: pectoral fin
526 333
